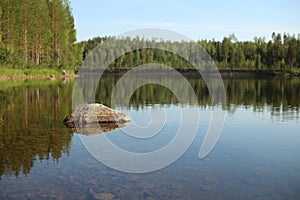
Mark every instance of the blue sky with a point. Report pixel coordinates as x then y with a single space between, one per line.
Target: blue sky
195 19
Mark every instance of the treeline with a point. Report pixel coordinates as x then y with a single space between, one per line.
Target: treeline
38 33
41 34
279 53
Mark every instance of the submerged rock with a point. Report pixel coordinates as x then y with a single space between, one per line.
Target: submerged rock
93 119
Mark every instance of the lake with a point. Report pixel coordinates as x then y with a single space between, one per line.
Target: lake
256 156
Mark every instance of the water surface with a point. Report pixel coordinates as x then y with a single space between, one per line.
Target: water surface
256 156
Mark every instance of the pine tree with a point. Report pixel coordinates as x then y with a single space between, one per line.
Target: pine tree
41 32
225 50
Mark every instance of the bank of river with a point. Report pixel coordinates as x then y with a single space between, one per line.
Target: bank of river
52 74
30 77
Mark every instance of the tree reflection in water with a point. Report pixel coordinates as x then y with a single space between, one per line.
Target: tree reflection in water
31 127
32 112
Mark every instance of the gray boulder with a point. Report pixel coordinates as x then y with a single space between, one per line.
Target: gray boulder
93 119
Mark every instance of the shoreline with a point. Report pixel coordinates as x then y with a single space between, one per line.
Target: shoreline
223 72
31 77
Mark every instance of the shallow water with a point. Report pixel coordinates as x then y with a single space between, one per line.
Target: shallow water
256 156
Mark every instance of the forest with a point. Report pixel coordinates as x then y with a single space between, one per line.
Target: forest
40 34
281 53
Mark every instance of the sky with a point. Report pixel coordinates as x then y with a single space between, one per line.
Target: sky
196 19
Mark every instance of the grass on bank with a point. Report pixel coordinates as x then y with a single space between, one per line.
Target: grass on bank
5 85
295 71
32 72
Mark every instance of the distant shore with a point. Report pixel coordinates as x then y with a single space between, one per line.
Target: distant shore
12 74
223 71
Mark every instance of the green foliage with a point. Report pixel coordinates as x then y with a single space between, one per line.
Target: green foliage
38 33
11 72
41 33
280 53
29 71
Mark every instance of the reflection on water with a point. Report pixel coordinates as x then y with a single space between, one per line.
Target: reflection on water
280 94
30 124
255 158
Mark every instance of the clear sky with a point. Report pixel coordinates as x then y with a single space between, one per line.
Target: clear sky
196 19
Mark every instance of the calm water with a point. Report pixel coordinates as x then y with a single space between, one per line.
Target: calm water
256 157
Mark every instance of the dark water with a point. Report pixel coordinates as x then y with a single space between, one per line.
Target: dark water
256 157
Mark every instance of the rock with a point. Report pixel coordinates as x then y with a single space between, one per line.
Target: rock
93 119
102 195
64 72
51 77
